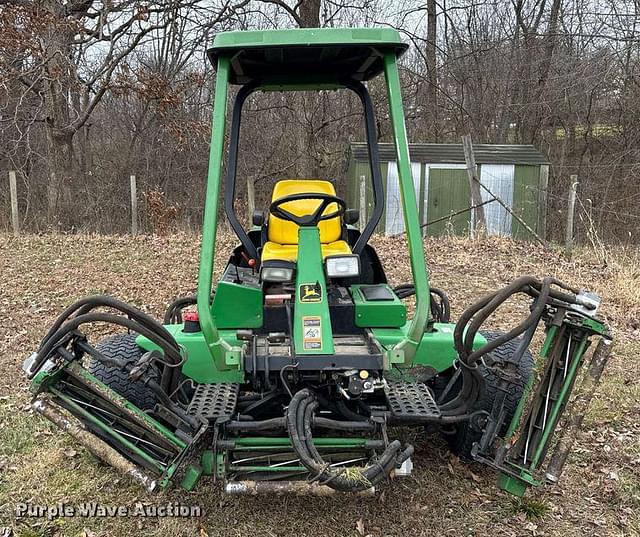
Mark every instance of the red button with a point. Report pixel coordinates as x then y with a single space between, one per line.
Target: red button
190 316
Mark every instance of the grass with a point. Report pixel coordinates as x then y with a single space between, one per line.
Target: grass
532 508
599 492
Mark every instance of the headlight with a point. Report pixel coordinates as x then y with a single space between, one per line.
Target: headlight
343 266
276 274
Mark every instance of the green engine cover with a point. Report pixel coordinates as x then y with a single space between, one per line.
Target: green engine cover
385 311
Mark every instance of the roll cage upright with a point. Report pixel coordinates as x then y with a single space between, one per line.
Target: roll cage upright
308 60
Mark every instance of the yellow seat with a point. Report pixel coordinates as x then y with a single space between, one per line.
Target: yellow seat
282 235
289 252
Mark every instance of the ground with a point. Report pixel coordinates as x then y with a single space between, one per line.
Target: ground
598 494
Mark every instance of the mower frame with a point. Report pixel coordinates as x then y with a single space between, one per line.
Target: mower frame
200 429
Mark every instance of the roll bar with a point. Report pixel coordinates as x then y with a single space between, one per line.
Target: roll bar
223 354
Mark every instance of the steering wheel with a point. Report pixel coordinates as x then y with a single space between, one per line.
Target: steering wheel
308 219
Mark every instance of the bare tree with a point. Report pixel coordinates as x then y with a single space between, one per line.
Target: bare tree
69 61
93 91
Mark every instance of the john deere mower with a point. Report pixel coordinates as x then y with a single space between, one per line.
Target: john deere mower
299 367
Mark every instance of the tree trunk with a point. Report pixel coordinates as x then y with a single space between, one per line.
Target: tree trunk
309 12
533 118
309 17
432 78
58 101
62 173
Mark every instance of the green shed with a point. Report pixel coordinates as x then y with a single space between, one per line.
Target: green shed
517 174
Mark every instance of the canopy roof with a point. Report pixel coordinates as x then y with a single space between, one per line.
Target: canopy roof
310 55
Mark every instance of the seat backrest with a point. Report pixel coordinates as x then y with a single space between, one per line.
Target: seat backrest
285 232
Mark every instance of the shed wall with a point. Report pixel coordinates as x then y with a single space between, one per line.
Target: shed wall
443 189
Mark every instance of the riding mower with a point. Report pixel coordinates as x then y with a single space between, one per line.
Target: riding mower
299 368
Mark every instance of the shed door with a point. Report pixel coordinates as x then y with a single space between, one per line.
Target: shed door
394 217
525 200
498 178
447 193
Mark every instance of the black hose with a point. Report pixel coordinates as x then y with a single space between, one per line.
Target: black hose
133 319
299 420
472 319
173 313
473 387
86 304
532 320
326 423
176 409
262 425
463 336
342 409
170 351
443 309
439 305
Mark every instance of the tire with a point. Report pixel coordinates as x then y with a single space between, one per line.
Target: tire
461 441
123 347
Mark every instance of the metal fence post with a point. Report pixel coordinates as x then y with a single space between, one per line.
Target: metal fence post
13 188
571 208
134 205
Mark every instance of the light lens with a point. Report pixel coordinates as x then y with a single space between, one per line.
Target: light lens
276 274
344 266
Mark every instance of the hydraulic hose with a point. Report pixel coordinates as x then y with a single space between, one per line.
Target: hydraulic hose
86 304
132 318
471 321
439 304
173 314
299 420
171 351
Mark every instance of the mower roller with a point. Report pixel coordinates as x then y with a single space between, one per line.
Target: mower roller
293 373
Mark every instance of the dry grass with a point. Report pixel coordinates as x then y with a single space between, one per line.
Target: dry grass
599 494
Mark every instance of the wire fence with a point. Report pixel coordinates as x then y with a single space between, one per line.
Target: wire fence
596 221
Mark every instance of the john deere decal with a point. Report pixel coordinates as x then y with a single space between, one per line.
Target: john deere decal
310 292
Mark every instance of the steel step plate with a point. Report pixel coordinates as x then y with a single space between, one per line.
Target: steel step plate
410 401
212 401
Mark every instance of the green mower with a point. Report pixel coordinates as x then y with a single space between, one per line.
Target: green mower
295 372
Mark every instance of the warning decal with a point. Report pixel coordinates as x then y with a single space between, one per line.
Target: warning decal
311 333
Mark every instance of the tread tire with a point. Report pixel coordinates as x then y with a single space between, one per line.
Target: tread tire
464 437
124 347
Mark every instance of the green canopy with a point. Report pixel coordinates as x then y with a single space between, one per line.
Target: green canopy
301 56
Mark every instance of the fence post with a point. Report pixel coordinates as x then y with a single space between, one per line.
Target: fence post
543 201
573 188
363 202
478 222
13 188
134 205
251 198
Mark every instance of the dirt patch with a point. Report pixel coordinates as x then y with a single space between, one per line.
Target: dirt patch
600 492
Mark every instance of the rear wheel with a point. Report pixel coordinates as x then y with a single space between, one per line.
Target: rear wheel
461 440
123 347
